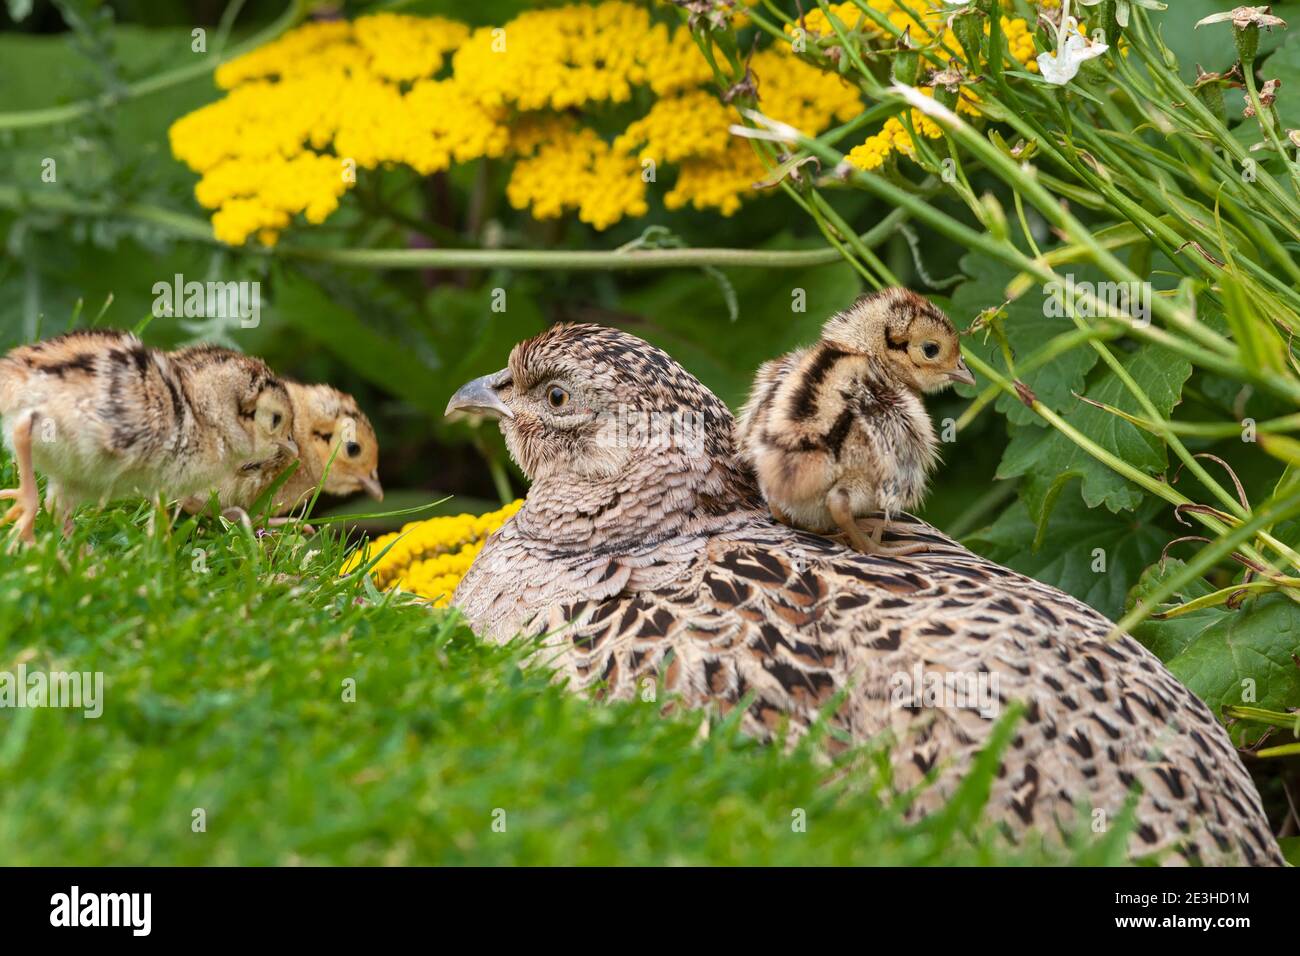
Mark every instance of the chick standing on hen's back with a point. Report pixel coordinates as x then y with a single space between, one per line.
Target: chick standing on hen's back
838 431
103 417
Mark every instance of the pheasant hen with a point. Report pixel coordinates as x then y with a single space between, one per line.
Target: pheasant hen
645 554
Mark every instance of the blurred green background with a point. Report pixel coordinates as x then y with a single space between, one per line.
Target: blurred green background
403 341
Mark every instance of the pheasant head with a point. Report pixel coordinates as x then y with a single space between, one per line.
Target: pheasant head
609 429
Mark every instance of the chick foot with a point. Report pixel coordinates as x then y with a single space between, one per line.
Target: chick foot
22 513
877 545
838 503
27 502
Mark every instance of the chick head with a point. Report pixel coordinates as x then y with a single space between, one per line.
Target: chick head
907 333
330 419
266 403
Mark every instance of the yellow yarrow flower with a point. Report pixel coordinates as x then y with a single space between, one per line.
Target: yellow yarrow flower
577 170
893 137
558 58
1020 42
678 127
801 95
428 558
408 48
717 182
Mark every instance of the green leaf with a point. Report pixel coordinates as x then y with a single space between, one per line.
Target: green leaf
1028 328
1226 656
685 313
1291 849
385 361
1043 456
1284 65
1090 553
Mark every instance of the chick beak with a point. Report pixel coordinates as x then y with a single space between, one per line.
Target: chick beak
372 486
480 397
961 374
289 446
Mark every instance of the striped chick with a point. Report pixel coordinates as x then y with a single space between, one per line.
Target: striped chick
838 431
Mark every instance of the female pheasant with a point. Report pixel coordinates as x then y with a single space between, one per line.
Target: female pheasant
655 561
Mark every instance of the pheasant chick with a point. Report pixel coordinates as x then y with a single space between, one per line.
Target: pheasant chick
838 431
105 417
334 438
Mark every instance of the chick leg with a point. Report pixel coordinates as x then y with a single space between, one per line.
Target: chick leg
28 502
780 515
878 526
839 505
56 503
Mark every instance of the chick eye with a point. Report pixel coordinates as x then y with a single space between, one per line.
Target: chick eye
557 396
353 449
276 418
930 350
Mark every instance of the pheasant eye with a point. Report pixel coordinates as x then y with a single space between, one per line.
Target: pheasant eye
353 449
557 396
930 350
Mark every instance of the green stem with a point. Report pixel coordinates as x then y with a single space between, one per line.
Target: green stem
1210 555
1140 478
1220 359
190 227
1265 120
28 119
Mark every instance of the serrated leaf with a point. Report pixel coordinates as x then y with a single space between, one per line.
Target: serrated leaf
1028 328
1068 556
1227 656
1044 455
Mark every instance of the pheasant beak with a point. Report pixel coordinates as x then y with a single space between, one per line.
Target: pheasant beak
961 373
480 397
372 486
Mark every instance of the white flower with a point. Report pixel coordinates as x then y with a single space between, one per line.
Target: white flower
1072 49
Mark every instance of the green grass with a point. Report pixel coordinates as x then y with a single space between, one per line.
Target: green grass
224 691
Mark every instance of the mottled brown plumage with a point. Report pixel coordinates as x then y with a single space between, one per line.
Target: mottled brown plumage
838 431
659 567
105 417
329 431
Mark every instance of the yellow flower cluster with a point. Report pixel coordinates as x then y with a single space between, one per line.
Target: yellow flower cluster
428 558
575 55
364 88
304 113
578 170
894 137
928 28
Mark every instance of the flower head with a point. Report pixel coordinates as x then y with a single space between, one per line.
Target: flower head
1243 17
1072 50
